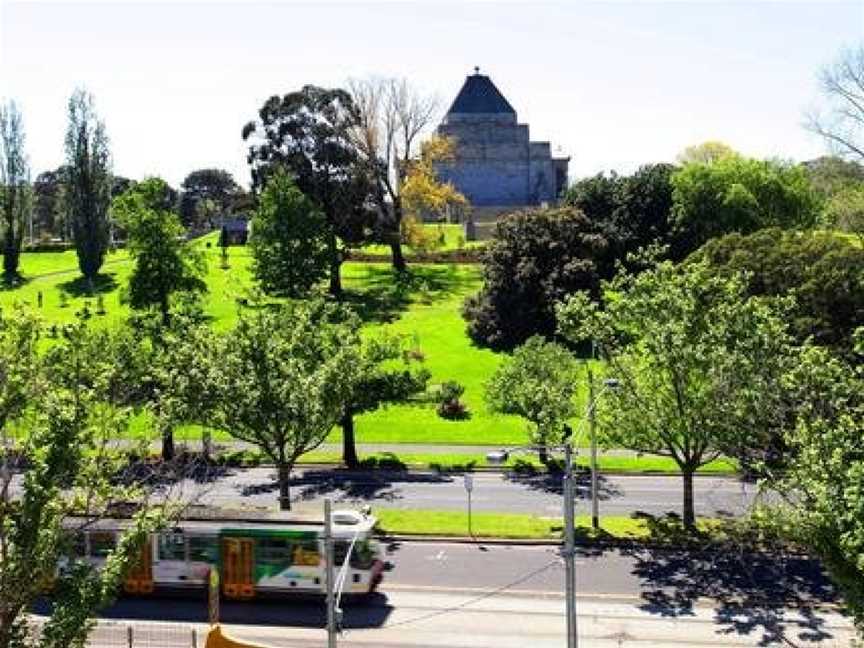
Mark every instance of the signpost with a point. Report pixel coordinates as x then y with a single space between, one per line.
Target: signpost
469 486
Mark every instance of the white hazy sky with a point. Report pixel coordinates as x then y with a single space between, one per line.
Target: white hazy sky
613 84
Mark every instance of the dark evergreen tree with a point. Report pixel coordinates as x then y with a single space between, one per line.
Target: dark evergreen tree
88 183
536 259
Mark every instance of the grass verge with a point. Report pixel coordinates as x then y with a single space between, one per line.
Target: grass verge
520 526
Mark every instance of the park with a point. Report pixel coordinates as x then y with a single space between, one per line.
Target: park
408 304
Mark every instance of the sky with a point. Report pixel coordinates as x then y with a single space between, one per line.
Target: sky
612 84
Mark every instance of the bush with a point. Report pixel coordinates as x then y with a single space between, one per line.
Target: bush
449 405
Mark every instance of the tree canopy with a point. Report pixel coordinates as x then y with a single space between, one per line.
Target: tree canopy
535 259
822 270
738 194
164 262
15 190
206 194
88 183
307 134
700 363
290 373
538 382
289 239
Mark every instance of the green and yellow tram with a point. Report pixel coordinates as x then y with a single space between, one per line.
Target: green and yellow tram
255 553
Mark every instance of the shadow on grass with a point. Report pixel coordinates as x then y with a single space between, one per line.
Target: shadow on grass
385 294
12 281
754 586
83 287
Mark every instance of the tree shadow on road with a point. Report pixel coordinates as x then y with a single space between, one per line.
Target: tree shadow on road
553 482
349 485
753 589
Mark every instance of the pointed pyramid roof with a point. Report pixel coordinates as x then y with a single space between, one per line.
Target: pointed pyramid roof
479 95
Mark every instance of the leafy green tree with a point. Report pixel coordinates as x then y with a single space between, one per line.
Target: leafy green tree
15 197
290 373
537 383
829 174
165 263
738 194
307 134
69 483
206 193
821 502
289 239
824 272
188 379
845 211
706 152
535 259
700 363
48 210
382 379
636 209
88 183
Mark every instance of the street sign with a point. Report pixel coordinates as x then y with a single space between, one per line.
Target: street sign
469 482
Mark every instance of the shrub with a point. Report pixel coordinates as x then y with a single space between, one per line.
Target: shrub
449 405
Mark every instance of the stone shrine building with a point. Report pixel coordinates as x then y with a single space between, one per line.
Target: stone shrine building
497 166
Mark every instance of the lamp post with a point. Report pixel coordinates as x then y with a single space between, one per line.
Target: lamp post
499 457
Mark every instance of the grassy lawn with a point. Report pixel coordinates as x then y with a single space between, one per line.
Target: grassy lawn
448 237
424 306
501 525
666 530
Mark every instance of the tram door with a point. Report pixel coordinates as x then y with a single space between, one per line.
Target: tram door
139 579
238 566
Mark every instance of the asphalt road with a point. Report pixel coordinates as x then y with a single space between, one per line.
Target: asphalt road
463 596
541 495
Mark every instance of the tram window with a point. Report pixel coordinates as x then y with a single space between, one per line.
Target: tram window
171 547
276 552
202 549
306 554
361 554
102 544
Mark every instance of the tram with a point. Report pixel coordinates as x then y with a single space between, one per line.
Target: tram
256 553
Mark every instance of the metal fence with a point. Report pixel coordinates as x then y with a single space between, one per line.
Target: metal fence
143 634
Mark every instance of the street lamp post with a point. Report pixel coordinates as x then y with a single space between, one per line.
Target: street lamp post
569 551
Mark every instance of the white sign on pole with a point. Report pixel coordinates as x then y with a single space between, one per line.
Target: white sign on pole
469 482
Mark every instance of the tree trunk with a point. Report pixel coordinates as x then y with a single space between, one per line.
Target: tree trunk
543 454
167 443
165 309
284 486
399 264
689 512
349 447
335 267
206 444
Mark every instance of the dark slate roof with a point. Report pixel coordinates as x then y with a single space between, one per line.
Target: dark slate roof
479 95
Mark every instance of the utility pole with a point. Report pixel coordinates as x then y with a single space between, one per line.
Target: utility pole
570 547
592 430
328 576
